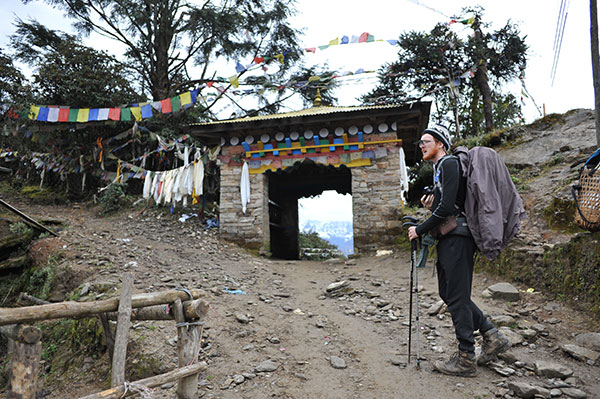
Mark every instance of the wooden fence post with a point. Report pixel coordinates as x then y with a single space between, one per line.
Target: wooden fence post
188 346
25 360
122 334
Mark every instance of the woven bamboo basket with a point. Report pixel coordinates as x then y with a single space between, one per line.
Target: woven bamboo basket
587 200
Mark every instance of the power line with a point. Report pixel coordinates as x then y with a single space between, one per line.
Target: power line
558 36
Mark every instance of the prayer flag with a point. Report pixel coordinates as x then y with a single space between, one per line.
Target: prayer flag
175 103
53 114
147 111
314 78
280 58
363 37
103 114
63 115
33 112
323 47
157 106
137 113
354 39
166 106
125 114
345 39
93 114
83 115
239 68
194 95
259 60
210 84
185 98
370 38
234 81
43 114
393 42
73 113
334 42
114 114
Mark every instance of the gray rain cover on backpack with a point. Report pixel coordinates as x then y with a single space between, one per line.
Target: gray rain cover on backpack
493 207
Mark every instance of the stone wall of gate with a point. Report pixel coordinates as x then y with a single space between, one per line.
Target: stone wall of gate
376 202
249 229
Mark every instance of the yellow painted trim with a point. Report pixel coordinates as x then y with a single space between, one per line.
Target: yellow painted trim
351 164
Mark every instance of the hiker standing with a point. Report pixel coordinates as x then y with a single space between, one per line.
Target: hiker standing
455 252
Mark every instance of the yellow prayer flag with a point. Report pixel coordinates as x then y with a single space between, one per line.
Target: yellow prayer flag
137 113
33 112
279 58
334 42
186 98
234 81
314 78
470 21
83 115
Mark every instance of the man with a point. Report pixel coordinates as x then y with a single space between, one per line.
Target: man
455 252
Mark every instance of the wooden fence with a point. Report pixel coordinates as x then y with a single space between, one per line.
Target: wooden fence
185 308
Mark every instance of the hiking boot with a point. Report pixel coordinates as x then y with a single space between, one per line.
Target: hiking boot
461 364
494 343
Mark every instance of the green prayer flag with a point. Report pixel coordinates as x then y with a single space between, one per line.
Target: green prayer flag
125 114
73 112
176 103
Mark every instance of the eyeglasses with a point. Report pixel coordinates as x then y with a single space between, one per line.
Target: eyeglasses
422 143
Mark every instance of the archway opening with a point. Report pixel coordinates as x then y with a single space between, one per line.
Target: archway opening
329 215
286 187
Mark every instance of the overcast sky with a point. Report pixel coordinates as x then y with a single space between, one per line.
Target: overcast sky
323 21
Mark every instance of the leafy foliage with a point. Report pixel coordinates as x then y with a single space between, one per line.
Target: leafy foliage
312 240
113 198
68 72
432 63
163 38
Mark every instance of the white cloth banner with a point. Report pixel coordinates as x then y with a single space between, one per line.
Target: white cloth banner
245 186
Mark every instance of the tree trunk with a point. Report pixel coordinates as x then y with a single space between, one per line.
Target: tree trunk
82 309
481 77
25 360
595 64
122 336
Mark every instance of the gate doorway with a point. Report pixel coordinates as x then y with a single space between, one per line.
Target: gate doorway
304 179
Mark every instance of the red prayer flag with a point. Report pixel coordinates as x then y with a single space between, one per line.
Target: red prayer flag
363 38
210 84
258 60
166 106
63 115
114 114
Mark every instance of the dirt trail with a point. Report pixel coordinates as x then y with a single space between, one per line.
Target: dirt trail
284 316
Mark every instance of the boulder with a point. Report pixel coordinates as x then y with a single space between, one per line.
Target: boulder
504 291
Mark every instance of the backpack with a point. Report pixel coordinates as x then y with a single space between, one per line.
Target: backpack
493 207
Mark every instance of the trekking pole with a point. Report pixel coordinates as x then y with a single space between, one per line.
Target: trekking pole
413 265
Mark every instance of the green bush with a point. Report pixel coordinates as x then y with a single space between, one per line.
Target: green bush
113 198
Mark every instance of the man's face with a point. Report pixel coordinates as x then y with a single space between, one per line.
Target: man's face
429 147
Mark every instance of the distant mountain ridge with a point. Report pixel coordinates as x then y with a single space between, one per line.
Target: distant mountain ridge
339 233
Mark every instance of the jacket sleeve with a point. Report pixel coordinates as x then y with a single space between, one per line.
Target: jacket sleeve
449 177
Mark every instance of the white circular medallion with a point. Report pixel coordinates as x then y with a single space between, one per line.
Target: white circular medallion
324 132
368 129
265 138
222 141
339 131
308 134
249 139
353 130
294 135
234 140
394 126
383 127
279 136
